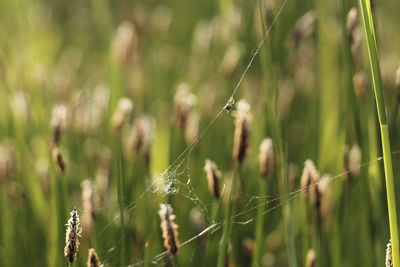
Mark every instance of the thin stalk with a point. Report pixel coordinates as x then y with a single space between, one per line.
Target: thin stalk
121 204
223 243
259 225
369 33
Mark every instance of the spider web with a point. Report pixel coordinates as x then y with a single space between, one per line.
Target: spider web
168 183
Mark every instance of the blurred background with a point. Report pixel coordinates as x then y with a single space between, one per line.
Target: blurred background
99 98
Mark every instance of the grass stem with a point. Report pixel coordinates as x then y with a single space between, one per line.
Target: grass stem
369 33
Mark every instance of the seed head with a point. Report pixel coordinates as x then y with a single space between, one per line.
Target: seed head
141 136
388 259
304 27
58 159
354 33
398 85
352 161
169 229
7 159
360 84
125 42
311 260
72 236
183 103
242 131
58 123
309 178
192 128
266 158
89 202
213 177
93 260
121 115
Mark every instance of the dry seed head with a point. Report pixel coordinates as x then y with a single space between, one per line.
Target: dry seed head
309 177
354 33
352 162
266 158
72 236
230 59
121 115
19 103
141 136
183 103
58 123
304 27
125 42
169 229
352 21
103 175
192 128
93 260
7 159
58 159
311 260
388 260
90 203
213 178
197 221
248 246
398 85
242 131
360 84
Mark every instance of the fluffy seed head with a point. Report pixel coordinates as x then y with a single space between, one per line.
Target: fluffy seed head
141 136
58 123
360 84
125 42
304 27
398 84
121 115
183 103
266 158
90 203
213 177
93 260
352 162
354 33
242 131
309 177
169 229
72 236
58 159
7 159
388 260
192 127
311 260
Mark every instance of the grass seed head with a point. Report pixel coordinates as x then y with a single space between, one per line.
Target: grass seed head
121 115
7 159
354 35
309 177
352 162
58 123
183 104
242 131
311 260
90 204
93 259
141 137
388 260
266 158
398 85
169 229
125 43
59 159
72 236
304 28
213 178
360 84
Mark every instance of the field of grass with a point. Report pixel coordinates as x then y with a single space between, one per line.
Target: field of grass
269 127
